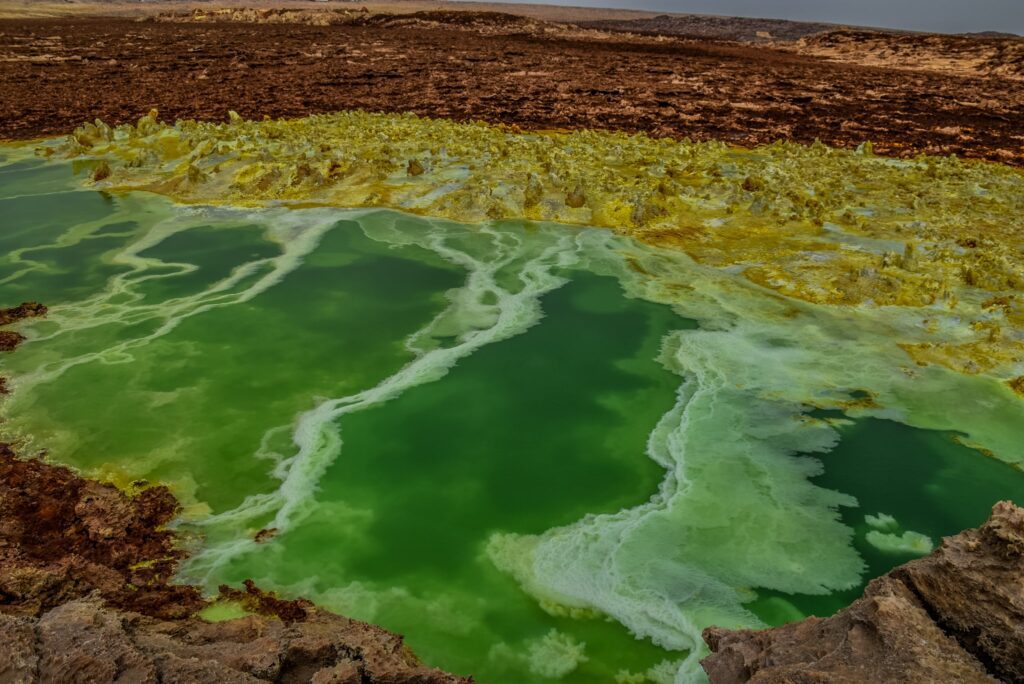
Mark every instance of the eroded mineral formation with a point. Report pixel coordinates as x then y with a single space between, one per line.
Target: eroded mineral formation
829 226
954 616
85 595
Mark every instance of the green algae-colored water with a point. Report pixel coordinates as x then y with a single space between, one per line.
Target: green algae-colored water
540 453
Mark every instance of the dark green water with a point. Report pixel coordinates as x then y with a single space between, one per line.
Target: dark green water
394 394
924 478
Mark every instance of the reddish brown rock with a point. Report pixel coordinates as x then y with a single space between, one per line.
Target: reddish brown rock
63 537
86 595
9 339
954 616
887 636
22 311
258 601
87 641
973 587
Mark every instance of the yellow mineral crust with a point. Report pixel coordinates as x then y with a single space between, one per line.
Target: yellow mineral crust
825 225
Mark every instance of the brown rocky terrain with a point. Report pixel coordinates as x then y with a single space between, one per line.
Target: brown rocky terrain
10 339
489 18
954 616
486 23
714 27
978 56
86 596
135 8
57 73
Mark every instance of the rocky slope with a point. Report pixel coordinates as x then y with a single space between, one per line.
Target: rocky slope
85 595
954 616
970 56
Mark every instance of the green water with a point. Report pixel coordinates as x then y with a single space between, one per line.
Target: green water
540 453
923 478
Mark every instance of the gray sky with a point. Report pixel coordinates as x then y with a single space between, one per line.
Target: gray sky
947 16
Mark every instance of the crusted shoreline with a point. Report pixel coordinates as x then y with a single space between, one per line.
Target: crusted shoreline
955 615
816 223
86 594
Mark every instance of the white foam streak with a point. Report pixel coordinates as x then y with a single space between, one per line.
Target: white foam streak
736 509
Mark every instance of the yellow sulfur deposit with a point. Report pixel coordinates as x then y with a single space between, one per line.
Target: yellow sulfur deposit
824 225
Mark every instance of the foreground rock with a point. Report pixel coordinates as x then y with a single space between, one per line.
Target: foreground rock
954 616
85 595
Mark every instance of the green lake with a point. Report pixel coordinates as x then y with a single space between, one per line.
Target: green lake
541 453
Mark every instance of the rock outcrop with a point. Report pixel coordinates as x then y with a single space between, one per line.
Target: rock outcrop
86 640
22 311
10 339
954 616
86 595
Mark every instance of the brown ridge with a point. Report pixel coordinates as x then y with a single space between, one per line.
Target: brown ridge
57 73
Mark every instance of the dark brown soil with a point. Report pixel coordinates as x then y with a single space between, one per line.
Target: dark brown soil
58 73
64 537
86 596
